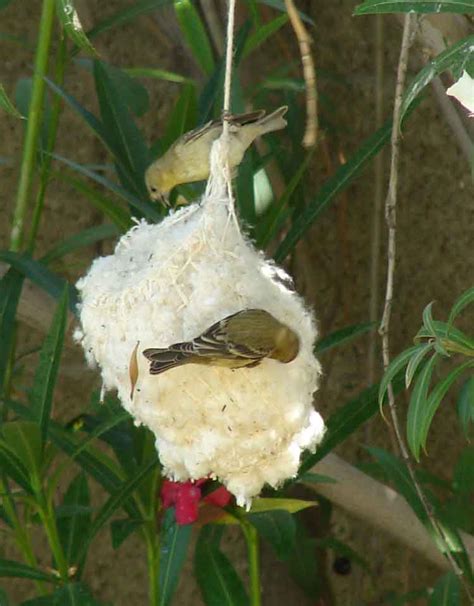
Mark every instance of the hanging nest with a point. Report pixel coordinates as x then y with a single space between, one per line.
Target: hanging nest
168 283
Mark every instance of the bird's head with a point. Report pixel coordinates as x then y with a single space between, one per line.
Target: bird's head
158 184
287 345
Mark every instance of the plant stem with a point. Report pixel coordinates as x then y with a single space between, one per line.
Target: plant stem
153 563
22 538
48 519
33 125
61 61
251 538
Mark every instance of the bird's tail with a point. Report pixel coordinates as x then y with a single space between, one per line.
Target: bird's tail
275 121
164 359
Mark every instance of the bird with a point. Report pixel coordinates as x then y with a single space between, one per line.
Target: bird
187 160
242 339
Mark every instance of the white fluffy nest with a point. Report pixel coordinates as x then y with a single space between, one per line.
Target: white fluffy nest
169 282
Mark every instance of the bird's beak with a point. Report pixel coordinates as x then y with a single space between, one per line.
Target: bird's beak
164 199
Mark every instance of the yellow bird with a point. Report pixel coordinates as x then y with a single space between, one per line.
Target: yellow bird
242 339
187 160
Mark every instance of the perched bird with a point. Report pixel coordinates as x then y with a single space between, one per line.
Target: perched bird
187 160
242 339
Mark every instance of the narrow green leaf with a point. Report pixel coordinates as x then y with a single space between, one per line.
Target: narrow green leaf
7 105
398 473
159 74
304 565
9 568
334 185
415 361
40 275
142 206
70 594
435 398
82 239
262 34
12 466
10 290
117 500
69 18
262 505
452 58
219 583
278 528
280 6
417 408
372 7
139 7
4 599
465 405
346 420
48 367
133 92
100 429
428 321
23 438
109 208
120 530
441 331
182 117
316 478
446 592
343 335
173 549
195 34
464 300
463 477
395 367
73 528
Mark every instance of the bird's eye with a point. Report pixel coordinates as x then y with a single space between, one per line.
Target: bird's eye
153 189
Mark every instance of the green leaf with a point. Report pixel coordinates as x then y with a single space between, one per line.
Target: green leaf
10 290
416 419
262 505
9 568
428 321
345 421
334 185
139 7
262 34
82 239
372 7
48 367
73 528
128 145
4 599
278 528
117 500
132 92
219 583
40 275
195 34
398 473
316 478
182 118
120 530
435 398
395 367
280 6
24 441
464 300
12 466
343 335
303 564
446 592
463 477
100 429
173 549
465 405
415 361
7 105
69 19
71 594
109 208
441 331
453 58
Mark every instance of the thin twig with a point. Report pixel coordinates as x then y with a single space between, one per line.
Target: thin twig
309 74
213 23
390 217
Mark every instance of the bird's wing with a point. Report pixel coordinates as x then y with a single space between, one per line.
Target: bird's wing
198 132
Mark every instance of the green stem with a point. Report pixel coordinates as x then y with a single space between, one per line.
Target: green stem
22 538
153 563
49 522
61 62
251 538
33 125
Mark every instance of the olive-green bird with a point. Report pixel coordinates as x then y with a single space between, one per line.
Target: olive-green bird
242 339
187 160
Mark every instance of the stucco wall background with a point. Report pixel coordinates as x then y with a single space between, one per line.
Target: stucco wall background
331 267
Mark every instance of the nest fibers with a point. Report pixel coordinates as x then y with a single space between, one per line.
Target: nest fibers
169 282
